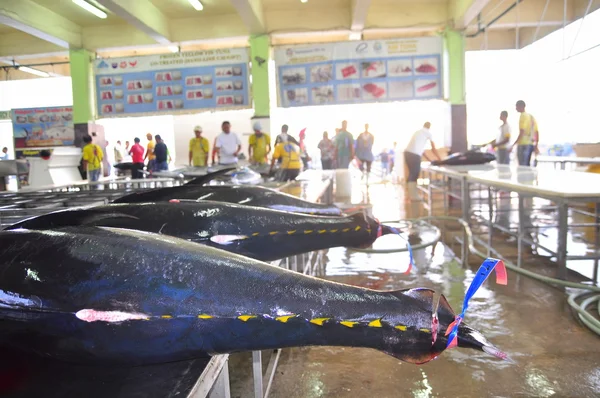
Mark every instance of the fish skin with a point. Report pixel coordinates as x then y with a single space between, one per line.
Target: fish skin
465 158
177 284
240 194
270 234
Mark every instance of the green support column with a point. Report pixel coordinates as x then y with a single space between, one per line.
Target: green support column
260 50
84 108
454 54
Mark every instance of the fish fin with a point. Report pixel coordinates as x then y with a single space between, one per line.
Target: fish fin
85 219
227 239
416 357
438 304
209 177
99 217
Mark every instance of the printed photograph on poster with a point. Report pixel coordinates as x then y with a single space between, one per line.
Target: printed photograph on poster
106 95
399 67
346 71
238 85
224 85
321 73
196 80
164 91
238 99
348 92
373 69
145 98
374 91
400 89
206 93
291 76
237 71
223 72
223 100
165 105
108 108
136 85
296 96
322 95
427 88
426 66
118 80
119 107
106 81
167 76
118 94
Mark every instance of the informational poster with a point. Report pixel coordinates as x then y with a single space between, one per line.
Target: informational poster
172 83
358 72
43 127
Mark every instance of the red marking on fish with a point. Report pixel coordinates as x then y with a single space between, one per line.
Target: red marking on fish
174 201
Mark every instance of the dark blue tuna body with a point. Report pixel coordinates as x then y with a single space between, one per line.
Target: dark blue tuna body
241 194
91 294
259 233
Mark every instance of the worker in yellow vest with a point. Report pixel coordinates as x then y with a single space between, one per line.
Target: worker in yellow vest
198 156
259 145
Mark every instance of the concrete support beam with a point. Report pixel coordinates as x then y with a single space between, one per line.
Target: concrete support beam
105 36
251 12
414 14
18 43
471 13
143 15
84 108
359 11
33 19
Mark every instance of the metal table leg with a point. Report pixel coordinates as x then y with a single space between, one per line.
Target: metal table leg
561 252
521 230
597 246
466 206
490 222
257 374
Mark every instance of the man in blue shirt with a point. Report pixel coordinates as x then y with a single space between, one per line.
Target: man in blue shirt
344 145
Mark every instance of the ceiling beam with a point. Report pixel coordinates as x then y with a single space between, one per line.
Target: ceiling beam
471 13
251 12
359 11
144 16
31 18
19 44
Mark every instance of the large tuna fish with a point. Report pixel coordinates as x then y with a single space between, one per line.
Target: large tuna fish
263 234
101 294
249 195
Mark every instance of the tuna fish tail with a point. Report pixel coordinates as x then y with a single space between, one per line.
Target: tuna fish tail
209 177
470 338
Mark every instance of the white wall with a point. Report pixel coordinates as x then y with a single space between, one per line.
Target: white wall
240 120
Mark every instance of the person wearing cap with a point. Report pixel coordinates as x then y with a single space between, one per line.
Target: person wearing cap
150 152
259 145
198 156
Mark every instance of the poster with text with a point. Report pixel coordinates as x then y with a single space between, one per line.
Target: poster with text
358 72
43 127
172 83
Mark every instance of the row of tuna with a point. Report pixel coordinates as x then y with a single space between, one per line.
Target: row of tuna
176 273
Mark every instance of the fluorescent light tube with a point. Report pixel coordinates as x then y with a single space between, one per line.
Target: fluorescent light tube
33 71
88 7
197 5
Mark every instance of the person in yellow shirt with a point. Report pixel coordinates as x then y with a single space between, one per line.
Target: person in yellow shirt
150 152
289 153
198 156
259 145
92 159
527 141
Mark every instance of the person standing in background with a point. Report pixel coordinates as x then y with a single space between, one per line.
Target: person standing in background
384 157
344 144
282 137
150 152
137 157
289 153
118 150
327 152
106 163
259 145
364 150
527 141
92 159
303 152
4 154
412 157
227 146
392 153
500 143
161 154
199 149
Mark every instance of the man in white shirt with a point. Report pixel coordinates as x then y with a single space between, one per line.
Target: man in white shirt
412 157
227 146
500 143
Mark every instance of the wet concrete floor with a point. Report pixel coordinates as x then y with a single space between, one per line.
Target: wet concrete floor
554 355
